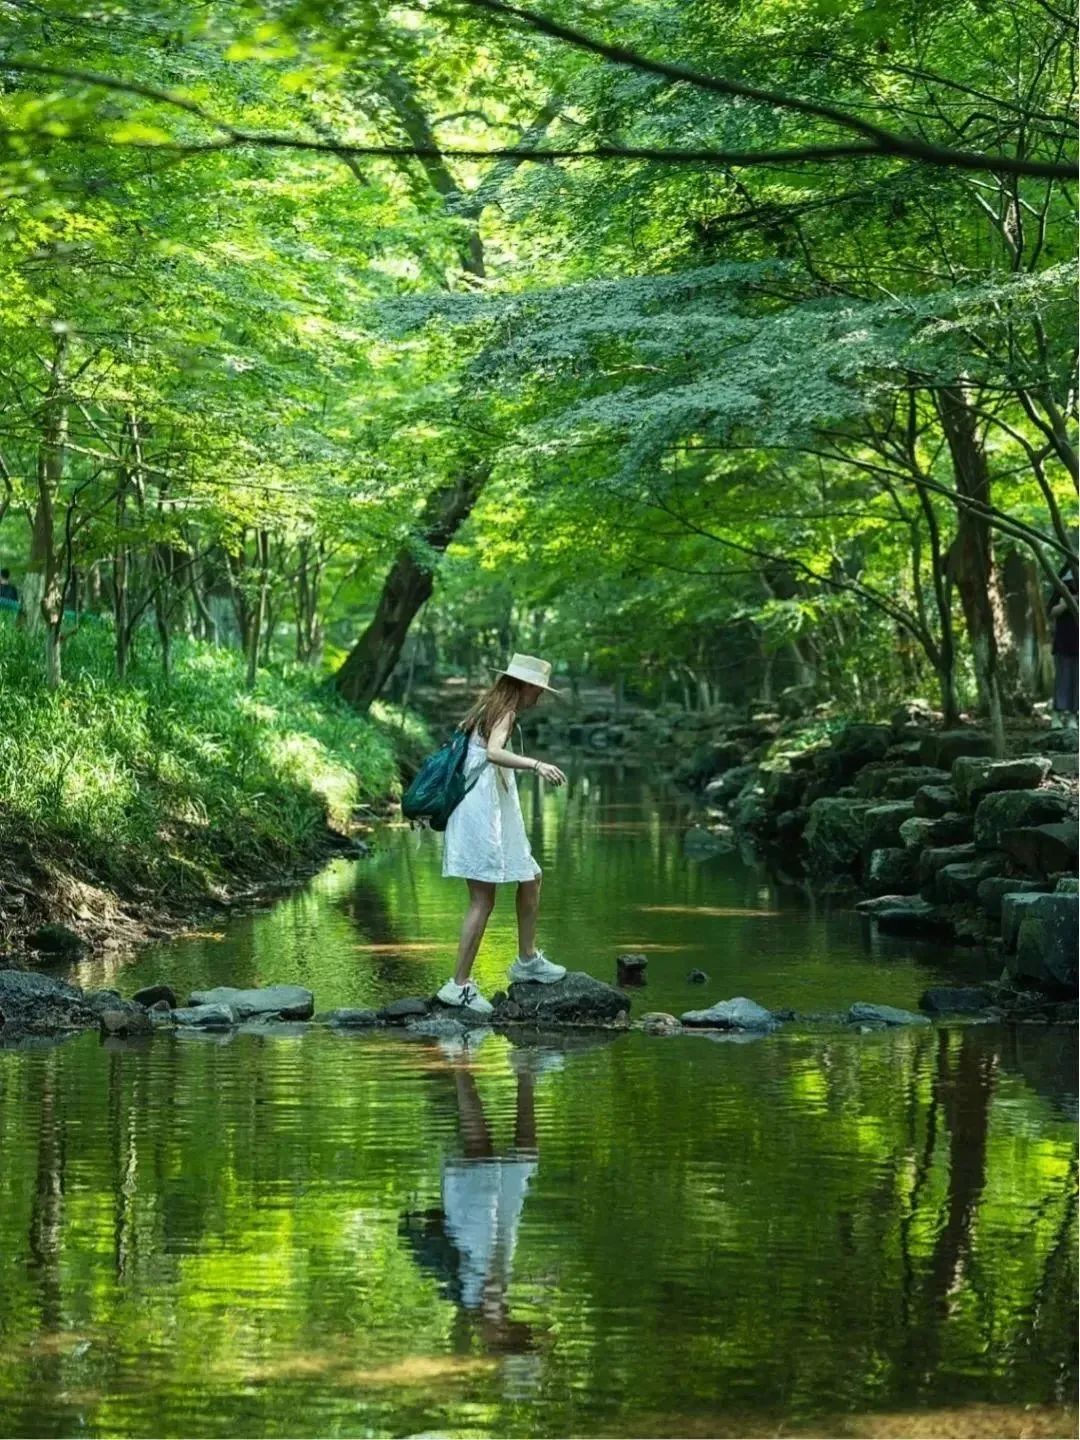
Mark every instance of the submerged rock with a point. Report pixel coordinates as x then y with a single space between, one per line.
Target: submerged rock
347 1019
151 995
697 977
577 999
287 1002
737 1014
659 1022
955 999
125 1023
914 917
408 1007
204 1017
862 1013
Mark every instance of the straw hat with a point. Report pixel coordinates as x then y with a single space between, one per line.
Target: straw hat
531 670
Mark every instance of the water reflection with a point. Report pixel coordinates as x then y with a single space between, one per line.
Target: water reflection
469 1240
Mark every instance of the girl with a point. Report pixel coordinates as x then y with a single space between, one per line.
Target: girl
485 842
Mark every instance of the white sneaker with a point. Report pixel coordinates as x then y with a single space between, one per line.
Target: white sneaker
539 969
466 996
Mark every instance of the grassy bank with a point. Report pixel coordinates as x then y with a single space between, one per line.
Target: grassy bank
168 793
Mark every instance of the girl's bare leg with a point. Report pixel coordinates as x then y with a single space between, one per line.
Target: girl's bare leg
528 907
481 904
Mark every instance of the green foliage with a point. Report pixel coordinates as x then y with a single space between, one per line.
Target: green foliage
181 787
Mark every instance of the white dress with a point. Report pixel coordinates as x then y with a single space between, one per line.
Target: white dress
485 836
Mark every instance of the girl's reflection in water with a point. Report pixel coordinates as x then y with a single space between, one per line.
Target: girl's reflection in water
469 1241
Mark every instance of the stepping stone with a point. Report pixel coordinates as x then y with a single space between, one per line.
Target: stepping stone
288 1002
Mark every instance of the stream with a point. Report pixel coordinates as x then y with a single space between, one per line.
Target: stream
369 1234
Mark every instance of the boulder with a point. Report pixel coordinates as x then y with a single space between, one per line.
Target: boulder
1059 742
915 833
748 810
659 1022
204 1017
834 835
737 1014
1014 810
1043 849
151 994
891 871
914 917
59 942
974 778
943 748
1013 907
726 787
871 780
991 891
936 858
697 977
1046 947
905 784
958 884
1068 885
577 999
349 1019
1065 765
287 1002
854 747
862 1013
784 789
407 1008
935 800
951 829
881 824
39 1005
955 1000
125 1023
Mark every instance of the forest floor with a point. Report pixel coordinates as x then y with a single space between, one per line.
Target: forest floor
133 809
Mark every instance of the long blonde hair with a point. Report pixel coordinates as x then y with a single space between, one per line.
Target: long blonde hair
504 694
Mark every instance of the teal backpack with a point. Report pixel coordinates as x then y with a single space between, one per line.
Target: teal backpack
439 786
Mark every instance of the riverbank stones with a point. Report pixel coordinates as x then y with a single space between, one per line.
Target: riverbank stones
973 779
348 1019
204 1017
1047 943
1014 810
862 1013
287 1002
737 1014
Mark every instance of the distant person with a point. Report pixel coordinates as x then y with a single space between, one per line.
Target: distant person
7 590
485 842
1066 650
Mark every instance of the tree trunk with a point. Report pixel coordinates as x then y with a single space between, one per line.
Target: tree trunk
408 585
43 606
972 557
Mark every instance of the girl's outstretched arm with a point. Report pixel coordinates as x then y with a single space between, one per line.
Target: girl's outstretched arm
499 755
